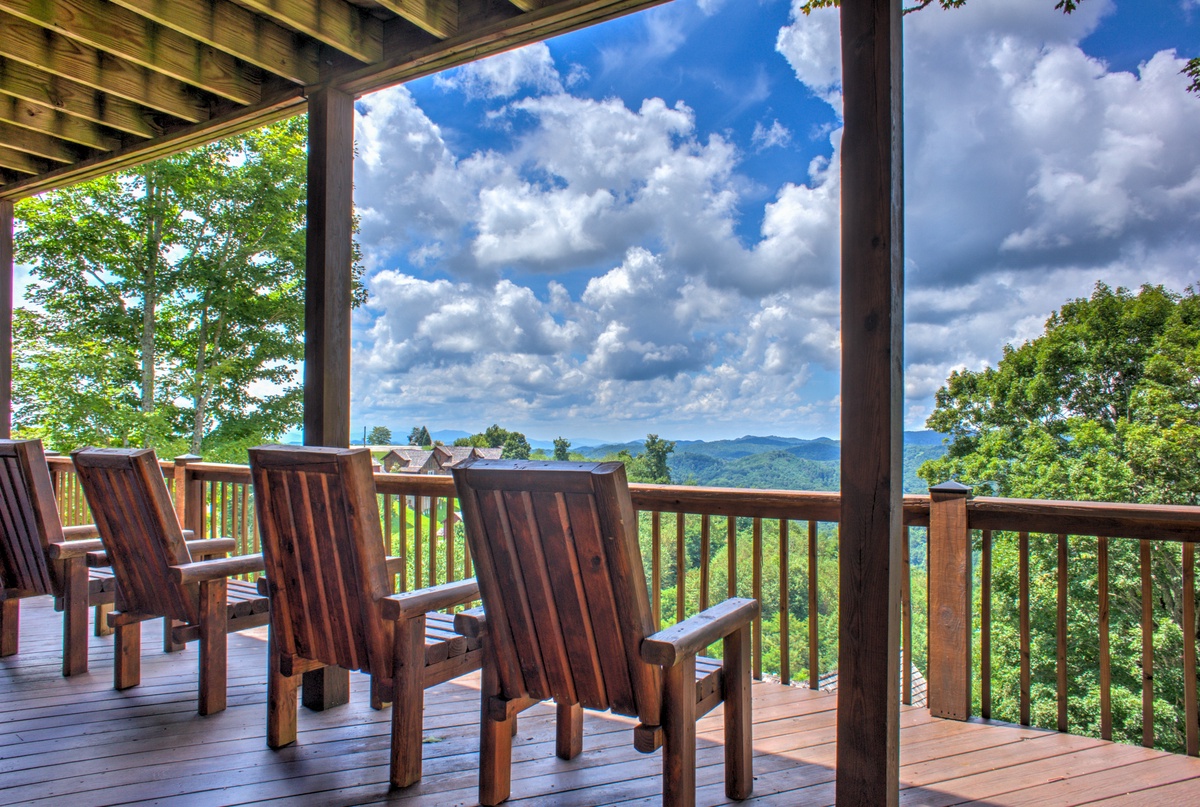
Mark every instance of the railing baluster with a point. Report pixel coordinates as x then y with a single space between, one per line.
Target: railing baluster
757 585
466 556
1189 650
1023 572
245 532
404 542
656 568
1105 658
387 524
785 662
680 567
1147 646
448 532
433 556
704 549
731 557
906 660
814 653
985 626
1061 660
416 547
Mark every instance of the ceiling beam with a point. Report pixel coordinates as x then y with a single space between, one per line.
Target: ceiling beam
237 31
529 5
37 144
438 17
109 28
73 98
36 118
345 27
35 46
20 161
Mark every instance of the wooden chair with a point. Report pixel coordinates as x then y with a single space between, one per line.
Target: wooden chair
568 617
156 575
332 601
38 556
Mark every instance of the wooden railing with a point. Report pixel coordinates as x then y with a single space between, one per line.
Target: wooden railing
1108 553
700 545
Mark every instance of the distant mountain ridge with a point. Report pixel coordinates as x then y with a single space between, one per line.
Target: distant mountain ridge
783 463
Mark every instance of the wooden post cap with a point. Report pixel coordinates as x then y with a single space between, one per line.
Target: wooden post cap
951 487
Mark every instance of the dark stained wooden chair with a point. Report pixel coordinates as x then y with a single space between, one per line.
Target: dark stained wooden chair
38 556
156 575
331 596
567 617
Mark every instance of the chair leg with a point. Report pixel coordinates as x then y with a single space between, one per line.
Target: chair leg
568 730
495 744
281 700
377 701
75 617
127 656
10 621
739 751
169 643
214 627
408 700
679 734
100 619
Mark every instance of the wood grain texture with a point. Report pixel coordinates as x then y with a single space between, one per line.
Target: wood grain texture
872 282
950 604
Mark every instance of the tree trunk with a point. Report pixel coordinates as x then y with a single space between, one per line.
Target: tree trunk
150 290
203 382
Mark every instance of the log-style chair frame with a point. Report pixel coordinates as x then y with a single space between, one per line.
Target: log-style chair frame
566 615
331 584
156 574
38 556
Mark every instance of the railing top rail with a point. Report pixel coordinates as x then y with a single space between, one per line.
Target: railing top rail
1109 519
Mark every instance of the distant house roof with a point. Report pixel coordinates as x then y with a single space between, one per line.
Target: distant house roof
489 453
920 695
449 456
410 460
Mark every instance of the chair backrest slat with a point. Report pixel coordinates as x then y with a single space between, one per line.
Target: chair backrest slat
29 519
323 552
560 573
139 528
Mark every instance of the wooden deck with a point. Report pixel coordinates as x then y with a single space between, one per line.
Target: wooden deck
77 742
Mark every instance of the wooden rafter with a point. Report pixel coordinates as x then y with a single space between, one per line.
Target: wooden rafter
73 98
20 161
37 144
35 46
438 17
237 31
110 28
338 24
37 118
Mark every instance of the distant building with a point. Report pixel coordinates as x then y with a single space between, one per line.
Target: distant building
450 456
920 689
410 460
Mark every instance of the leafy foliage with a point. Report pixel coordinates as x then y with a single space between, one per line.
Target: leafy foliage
514 444
380 436
562 449
419 436
170 299
1102 407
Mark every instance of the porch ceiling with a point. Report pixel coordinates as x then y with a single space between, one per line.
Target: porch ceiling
88 87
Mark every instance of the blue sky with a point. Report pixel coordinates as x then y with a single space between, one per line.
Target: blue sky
634 228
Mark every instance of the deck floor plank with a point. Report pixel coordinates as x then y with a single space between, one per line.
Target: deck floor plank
77 741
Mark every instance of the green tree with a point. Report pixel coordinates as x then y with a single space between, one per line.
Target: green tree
191 268
514 444
1102 407
562 449
380 436
650 466
419 436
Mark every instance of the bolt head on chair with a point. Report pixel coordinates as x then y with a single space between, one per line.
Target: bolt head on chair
567 616
38 556
330 584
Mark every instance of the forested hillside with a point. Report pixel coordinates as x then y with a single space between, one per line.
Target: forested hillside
785 463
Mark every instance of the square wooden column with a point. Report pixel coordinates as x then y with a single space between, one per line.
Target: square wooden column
327 303
868 728
7 267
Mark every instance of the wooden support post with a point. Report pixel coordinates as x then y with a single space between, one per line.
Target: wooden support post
872 281
75 617
10 627
7 267
327 302
949 602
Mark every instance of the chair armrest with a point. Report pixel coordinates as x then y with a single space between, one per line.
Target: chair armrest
395 564
74 549
97 560
206 548
81 532
471 622
189 535
435 598
688 638
216 569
